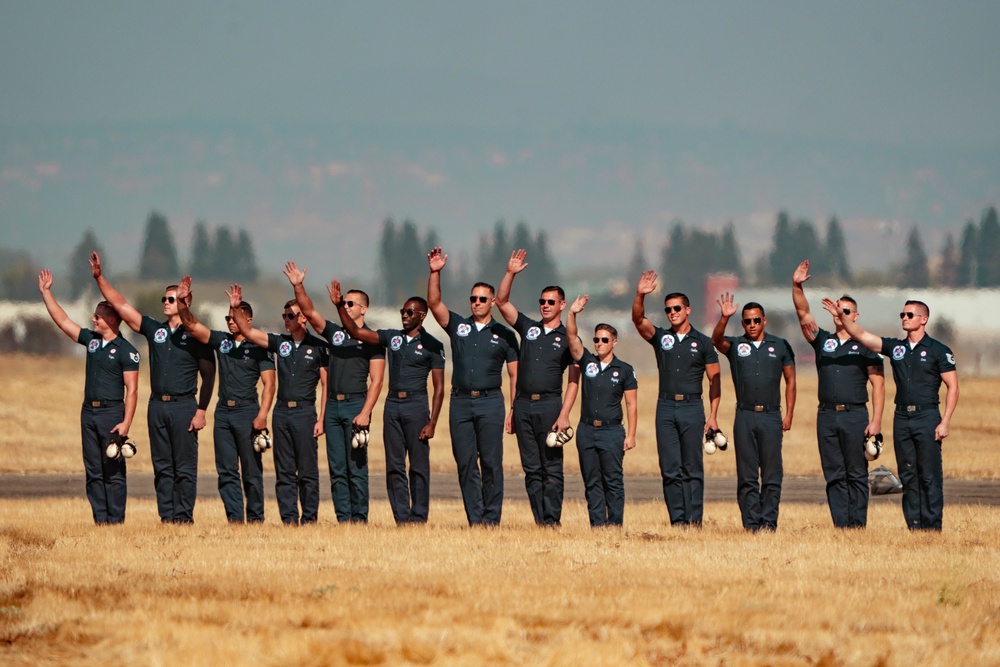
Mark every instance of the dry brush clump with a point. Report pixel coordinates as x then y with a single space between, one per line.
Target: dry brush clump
444 594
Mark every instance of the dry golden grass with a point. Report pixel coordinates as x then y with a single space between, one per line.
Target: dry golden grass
213 594
40 405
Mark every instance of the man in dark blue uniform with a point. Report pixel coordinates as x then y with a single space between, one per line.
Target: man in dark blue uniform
684 356
174 417
109 400
758 361
845 367
539 405
919 365
600 437
408 425
237 412
350 397
302 364
479 348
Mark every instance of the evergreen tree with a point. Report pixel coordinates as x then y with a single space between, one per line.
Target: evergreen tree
203 255
246 264
225 251
836 252
673 258
80 280
988 250
411 276
729 253
947 275
637 265
782 251
967 257
387 257
159 254
915 273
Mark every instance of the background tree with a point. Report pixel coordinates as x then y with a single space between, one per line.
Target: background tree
947 274
836 252
729 259
158 260
967 257
637 265
79 279
915 273
202 264
246 258
988 250
18 275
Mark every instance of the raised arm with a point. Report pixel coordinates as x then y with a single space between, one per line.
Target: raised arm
647 284
726 310
255 336
58 315
350 326
950 380
876 376
572 331
129 315
436 259
806 320
297 277
190 322
790 393
515 265
854 330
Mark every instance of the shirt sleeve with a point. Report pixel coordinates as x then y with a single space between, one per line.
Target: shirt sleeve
631 382
129 360
788 358
266 359
437 354
215 338
454 319
711 354
522 324
86 335
148 326
513 349
273 341
887 345
654 340
946 360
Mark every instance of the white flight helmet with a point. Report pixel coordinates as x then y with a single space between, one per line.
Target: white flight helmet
559 438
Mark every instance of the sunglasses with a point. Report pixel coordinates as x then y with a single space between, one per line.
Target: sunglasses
351 304
290 316
168 299
481 299
675 309
601 339
846 311
542 302
748 320
409 312
229 318
905 315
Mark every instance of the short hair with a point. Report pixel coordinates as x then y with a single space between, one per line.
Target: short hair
292 302
419 299
486 285
364 296
111 310
914 302
848 297
555 288
604 326
678 295
246 308
171 288
753 305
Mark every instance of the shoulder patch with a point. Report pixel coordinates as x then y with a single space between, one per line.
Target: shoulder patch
134 356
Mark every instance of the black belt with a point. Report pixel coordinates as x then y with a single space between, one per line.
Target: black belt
539 396
758 408
295 404
842 407
475 393
679 397
345 397
102 404
600 423
916 408
400 395
171 398
239 403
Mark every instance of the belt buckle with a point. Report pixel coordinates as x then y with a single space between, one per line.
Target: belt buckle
840 407
536 397
758 408
678 397
401 394
165 398
292 404
230 404
911 408
598 423
340 397
95 404
474 394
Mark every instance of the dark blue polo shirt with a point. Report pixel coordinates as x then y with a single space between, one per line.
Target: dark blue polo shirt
106 365
410 362
602 391
349 360
842 368
757 372
917 372
543 358
298 365
478 356
682 362
240 366
173 358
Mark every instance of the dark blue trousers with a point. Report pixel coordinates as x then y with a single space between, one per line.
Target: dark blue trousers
543 465
476 426
918 455
841 437
174 450
680 430
105 484
757 440
235 457
296 464
602 451
402 421
348 465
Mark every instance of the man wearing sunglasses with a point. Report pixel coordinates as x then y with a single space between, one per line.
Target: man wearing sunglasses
539 404
174 417
109 400
350 397
237 412
480 346
413 354
758 361
684 356
302 364
845 367
919 365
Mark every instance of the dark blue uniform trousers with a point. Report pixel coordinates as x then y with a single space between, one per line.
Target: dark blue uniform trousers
757 440
348 465
841 437
402 421
234 456
105 484
476 426
174 450
296 463
918 455
602 451
680 430
543 465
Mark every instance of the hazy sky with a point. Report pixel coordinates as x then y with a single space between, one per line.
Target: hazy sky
326 117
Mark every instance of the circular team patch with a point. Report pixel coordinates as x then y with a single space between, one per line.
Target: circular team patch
667 342
285 348
743 349
830 345
854 347
463 329
614 374
898 352
694 344
533 333
592 370
93 345
160 336
338 338
225 346
396 343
